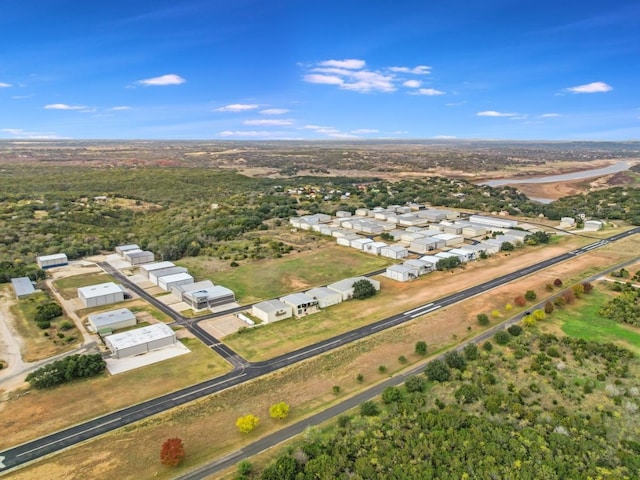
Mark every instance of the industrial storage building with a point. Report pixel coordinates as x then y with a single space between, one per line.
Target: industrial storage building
593 225
374 247
402 273
301 304
169 281
140 340
450 239
394 251
122 249
431 260
426 244
50 261
100 294
113 320
464 253
360 243
147 268
136 257
208 297
325 296
271 311
22 286
345 287
156 275
422 266
493 222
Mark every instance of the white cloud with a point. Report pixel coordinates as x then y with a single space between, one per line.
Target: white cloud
120 107
549 115
161 81
445 137
274 111
22 134
419 70
427 91
493 113
21 97
349 63
64 106
365 131
5 85
412 83
323 79
268 122
594 87
365 81
342 135
252 133
238 107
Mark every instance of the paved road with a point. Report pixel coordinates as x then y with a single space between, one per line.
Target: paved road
245 371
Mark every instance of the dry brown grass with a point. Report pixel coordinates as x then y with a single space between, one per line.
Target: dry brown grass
207 426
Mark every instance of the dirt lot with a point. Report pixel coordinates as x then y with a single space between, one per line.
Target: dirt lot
131 453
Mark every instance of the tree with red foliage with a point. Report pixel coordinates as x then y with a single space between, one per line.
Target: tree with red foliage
588 287
520 301
172 452
557 282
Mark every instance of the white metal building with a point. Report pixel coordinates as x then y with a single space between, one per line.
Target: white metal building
55 260
345 287
394 251
156 275
402 273
325 296
301 303
208 297
147 268
450 239
140 340
113 319
271 311
137 257
100 294
464 253
422 266
169 281
593 225
426 244
122 249
374 247
360 243
22 286
431 260
493 222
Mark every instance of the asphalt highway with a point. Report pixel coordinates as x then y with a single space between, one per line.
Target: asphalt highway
243 370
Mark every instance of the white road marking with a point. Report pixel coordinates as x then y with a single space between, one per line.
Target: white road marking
419 308
426 311
2 465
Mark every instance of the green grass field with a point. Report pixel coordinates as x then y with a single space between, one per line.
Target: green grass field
68 286
276 277
583 321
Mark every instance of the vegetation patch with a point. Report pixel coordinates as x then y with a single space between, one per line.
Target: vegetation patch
68 287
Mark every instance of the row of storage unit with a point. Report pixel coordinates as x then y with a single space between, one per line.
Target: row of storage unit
306 303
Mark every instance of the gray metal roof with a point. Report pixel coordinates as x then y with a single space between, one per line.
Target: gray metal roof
22 286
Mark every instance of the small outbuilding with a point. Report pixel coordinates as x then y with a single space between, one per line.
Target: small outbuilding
593 225
169 281
113 319
402 273
147 268
50 261
394 251
140 340
271 311
156 275
301 303
23 287
122 249
100 294
137 257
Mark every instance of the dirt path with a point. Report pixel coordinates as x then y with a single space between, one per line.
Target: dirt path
10 346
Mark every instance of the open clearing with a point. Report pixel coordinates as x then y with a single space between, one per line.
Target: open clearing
208 425
272 278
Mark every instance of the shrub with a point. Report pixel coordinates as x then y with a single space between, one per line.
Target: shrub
172 452
495 313
468 393
437 371
67 369
578 290
336 389
391 395
557 282
43 325
363 289
539 314
279 410
549 287
559 301
359 378
369 409
508 307
421 348
587 287
66 325
502 337
530 295
514 330
248 423
548 308
483 319
402 359
471 352
382 368
244 468
487 346
415 384
455 360
520 301
569 297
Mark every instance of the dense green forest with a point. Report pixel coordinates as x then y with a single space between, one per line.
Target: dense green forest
178 212
540 407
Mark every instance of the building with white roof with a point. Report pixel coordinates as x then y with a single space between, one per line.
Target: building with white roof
137 257
402 273
122 249
271 311
147 268
301 304
421 265
100 294
450 239
374 247
156 275
140 340
394 251
169 281
325 296
345 287
593 225
492 221
50 261
112 320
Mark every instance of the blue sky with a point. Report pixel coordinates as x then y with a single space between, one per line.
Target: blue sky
320 69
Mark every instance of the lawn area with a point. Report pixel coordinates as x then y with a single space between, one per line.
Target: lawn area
68 286
272 278
29 416
582 321
37 345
